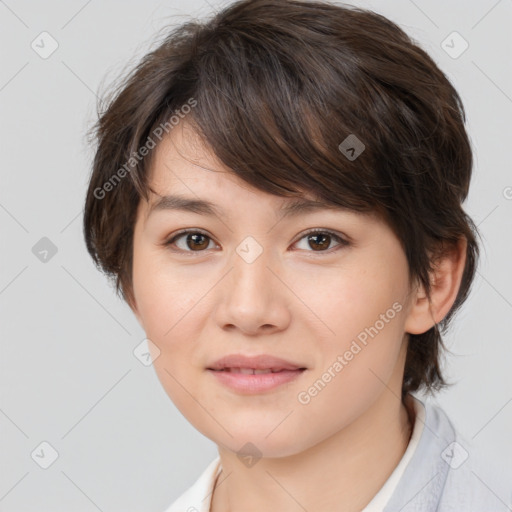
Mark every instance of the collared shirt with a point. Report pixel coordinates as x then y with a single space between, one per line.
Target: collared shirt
440 471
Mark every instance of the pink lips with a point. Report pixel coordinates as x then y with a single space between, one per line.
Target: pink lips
254 374
260 362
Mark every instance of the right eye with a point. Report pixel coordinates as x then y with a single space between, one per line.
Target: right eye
193 241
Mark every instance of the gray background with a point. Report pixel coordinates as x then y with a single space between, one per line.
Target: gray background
68 373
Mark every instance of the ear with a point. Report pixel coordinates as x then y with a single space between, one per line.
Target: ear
445 283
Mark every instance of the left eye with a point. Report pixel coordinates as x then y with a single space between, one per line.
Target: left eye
321 239
197 241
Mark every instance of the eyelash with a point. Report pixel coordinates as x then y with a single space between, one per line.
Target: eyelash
341 241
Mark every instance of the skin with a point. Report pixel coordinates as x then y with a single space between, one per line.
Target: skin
294 302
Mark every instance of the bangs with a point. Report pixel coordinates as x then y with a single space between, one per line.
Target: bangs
276 118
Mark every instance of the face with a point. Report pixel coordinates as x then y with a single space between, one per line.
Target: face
251 279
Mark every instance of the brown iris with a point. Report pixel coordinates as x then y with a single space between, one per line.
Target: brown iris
199 241
325 240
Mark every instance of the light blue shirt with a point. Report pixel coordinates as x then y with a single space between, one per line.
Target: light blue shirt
448 474
439 472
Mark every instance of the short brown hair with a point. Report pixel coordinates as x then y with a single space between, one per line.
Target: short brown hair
276 87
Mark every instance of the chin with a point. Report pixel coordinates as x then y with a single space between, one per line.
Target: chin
259 447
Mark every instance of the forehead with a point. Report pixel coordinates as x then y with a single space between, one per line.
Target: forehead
184 165
186 175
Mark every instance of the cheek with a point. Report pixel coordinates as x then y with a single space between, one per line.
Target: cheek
164 295
172 311
362 322
347 300
168 306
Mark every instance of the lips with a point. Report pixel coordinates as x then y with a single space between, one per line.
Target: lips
264 363
255 375
249 371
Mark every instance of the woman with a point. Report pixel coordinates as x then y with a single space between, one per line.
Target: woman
278 194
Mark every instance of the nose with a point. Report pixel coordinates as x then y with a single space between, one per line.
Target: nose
252 298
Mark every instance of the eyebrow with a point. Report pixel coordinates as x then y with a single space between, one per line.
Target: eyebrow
204 207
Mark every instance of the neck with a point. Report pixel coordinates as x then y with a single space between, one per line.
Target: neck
343 472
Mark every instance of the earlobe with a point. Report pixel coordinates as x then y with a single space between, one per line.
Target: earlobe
445 283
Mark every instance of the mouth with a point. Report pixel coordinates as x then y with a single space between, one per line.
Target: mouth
256 371
255 374
255 381
262 363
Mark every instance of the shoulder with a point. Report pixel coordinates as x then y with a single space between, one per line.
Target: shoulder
448 473
474 481
197 497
